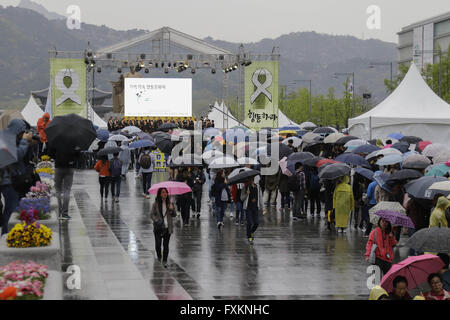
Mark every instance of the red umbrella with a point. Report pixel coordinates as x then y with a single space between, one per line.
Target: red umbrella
324 161
423 144
415 269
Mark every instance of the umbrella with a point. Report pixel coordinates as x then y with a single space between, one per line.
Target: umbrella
141 144
423 144
167 126
296 142
441 186
325 130
283 150
310 137
395 218
442 157
410 153
396 135
223 162
286 132
365 149
323 162
405 174
300 156
438 170
411 139
164 143
389 151
144 136
345 139
311 162
307 124
366 173
131 129
173 187
353 159
245 160
8 149
334 171
210 155
242 175
434 149
291 127
103 135
118 137
187 160
372 155
389 160
110 150
430 240
415 269
385 206
317 140
401 146
332 138
210 132
284 168
355 143
419 188
381 179
416 161
70 133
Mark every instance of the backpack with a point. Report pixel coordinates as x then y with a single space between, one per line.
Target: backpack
146 161
294 183
116 168
314 183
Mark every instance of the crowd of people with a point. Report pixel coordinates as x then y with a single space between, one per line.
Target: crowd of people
151 124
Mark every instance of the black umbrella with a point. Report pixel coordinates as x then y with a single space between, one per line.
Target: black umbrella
366 149
298 156
372 142
353 159
430 240
405 174
381 178
419 188
334 171
284 150
403 147
411 139
324 130
164 142
70 133
366 173
242 175
168 126
311 162
345 139
109 150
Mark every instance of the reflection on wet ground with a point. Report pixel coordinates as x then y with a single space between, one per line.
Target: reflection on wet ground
113 244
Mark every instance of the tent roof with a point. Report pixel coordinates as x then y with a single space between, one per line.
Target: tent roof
283 120
97 120
412 102
32 112
218 117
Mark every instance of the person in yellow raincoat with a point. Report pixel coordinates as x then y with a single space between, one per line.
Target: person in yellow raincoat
343 203
437 218
378 293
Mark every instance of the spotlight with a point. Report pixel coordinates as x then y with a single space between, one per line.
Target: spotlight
150 64
162 64
193 70
221 57
86 60
119 70
247 63
166 70
141 64
213 71
138 68
169 64
142 56
146 70
189 56
89 53
174 64
235 67
99 70
92 64
156 64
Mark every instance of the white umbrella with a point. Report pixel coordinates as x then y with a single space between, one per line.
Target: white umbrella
389 151
372 155
332 138
245 160
210 155
223 162
385 206
118 137
131 129
355 143
441 186
296 142
442 157
307 125
434 149
309 137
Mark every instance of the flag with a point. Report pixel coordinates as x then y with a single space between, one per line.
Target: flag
48 104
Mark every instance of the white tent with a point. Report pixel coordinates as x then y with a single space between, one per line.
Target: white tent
221 120
413 109
32 112
97 120
284 121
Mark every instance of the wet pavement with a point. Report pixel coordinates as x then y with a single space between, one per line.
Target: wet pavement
113 244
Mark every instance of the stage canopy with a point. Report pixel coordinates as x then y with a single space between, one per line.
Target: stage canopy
413 109
221 120
32 112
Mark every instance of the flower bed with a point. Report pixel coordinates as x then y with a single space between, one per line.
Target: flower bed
42 205
29 235
51 221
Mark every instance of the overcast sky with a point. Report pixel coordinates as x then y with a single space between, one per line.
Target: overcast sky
252 20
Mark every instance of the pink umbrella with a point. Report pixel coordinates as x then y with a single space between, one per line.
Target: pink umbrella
283 166
415 269
173 187
387 146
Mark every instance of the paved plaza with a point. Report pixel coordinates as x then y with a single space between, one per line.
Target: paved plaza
113 244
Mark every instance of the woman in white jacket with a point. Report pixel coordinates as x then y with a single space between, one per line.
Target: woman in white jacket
253 203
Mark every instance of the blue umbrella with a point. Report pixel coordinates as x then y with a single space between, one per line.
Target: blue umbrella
365 149
366 173
390 159
353 159
396 135
381 179
141 144
103 135
210 132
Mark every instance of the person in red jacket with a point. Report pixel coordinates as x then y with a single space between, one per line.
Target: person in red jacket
42 124
385 241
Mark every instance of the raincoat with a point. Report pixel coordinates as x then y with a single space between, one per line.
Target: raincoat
385 245
125 156
41 126
343 202
377 292
437 218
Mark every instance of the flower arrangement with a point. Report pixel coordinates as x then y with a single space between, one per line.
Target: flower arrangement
22 281
31 215
42 205
41 190
45 158
29 235
49 171
48 182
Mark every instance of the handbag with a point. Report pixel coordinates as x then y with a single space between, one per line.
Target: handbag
373 255
159 226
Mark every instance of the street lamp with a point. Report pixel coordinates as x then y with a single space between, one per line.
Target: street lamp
310 93
373 64
353 86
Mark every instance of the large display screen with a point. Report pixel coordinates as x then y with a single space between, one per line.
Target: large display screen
153 97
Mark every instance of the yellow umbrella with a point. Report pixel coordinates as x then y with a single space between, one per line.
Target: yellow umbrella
286 132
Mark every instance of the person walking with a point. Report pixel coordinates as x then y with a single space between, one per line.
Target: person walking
23 141
314 193
343 203
199 179
102 167
222 196
271 190
162 214
125 157
297 184
384 239
185 199
41 125
236 194
371 202
146 163
115 169
285 192
253 203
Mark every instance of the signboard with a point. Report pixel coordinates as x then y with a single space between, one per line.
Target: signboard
153 97
160 161
68 86
261 95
